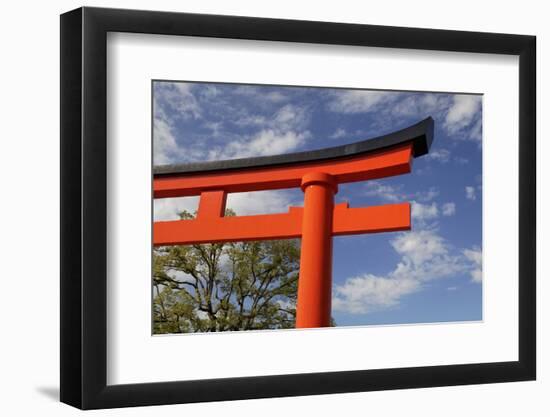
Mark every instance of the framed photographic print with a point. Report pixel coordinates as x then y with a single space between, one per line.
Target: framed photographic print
259 207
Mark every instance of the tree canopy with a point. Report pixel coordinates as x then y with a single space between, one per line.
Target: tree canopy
225 286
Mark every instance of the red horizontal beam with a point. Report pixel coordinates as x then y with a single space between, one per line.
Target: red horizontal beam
373 219
385 163
346 221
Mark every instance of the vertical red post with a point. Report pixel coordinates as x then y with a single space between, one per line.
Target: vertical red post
211 204
315 284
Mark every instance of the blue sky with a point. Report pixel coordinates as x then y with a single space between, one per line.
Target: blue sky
429 274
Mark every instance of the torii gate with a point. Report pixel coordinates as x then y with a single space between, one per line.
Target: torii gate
318 174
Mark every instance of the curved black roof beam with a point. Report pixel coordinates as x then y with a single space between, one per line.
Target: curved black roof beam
420 134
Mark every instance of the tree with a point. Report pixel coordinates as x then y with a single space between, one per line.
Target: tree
225 286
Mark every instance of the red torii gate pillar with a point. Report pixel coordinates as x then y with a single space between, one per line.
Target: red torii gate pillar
315 284
318 174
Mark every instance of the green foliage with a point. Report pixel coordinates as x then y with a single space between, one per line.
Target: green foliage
226 286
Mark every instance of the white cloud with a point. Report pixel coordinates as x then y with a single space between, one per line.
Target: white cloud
475 133
338 133
462 119
243 204
179 98
391 103
424 212
470 193
274 97
440 155
420 246
216 128
285 118
462 110
164 142
423 206
459 114
256 93
290 117
461 160
210 92
250 120
259 202
476 275
169 208
265 142
448 209
273 127
360 101
284 132
420 106
425 256
383 191
394 193
391 107
165 147
474 255
364 294
426 196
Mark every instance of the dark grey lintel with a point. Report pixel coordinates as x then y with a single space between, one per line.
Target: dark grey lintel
420 134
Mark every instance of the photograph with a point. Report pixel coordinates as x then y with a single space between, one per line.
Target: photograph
310 202
285 207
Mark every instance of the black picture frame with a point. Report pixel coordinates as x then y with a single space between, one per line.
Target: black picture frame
84 207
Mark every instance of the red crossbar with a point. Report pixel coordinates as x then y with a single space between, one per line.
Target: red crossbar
346 221
385 163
